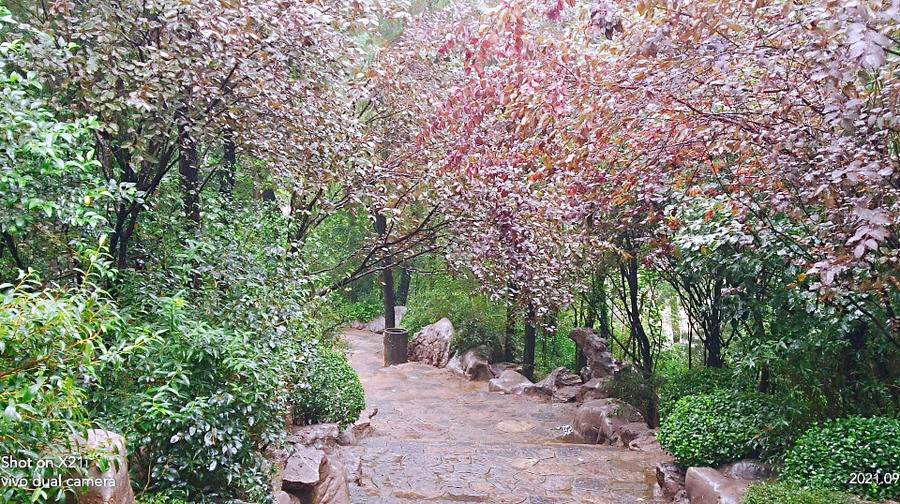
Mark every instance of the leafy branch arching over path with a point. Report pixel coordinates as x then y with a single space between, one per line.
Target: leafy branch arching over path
440 438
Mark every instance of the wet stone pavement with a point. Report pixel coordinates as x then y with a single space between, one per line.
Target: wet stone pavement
438 438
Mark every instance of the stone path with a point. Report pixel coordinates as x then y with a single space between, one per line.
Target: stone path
439 439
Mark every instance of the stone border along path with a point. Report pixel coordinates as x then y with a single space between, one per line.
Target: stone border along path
439 438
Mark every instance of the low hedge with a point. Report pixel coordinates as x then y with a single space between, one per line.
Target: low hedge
786 493
859 455
335 393
712 429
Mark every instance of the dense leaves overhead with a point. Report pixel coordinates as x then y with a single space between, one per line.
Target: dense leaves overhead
783 108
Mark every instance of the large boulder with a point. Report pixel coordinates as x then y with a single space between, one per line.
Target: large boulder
646 442
561 385
600 420
594 388
670 478
474 364
319 436
705 485
377 325
313 478
334 487
600 360
111 445
431 345
509 382
751 470
499 367
626 433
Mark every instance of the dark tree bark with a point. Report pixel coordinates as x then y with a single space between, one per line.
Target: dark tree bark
530 339
228 174
387 277
403 287
13 251
644 350
190 178
510 333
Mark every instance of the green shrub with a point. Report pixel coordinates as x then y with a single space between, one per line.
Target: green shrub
335 393
691 382
161 498
197 402
471 333
785 493
711 429
832 456
50 343
630 386
434 297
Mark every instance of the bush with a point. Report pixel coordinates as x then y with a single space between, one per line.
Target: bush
630 386
785 493
833 455
196 403
473 315
712 429
161 498
335 393
50 343
691 382
471 333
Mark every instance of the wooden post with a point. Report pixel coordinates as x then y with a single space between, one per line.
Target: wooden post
395 345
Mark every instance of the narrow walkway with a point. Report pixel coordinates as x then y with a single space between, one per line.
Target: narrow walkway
439 438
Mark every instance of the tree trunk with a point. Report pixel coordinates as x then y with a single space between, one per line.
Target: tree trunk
14 251
189 171
228 175
642 341
510 335
190 174
528 354
387 277
403 288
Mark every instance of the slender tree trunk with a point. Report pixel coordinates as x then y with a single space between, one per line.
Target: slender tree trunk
530 337
230 158
403 287
642 341
14 251
190 176
510 335
189 172
387 278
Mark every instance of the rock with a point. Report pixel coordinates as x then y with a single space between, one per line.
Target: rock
595 388
599 420
646 442
303 470
282 497
360 429
359 325
377 325
475 364
600 360
552 386
431 345
319 436
498 368
113 445
625 434
334 488
705 485
750 470
670 478
455 364
509 382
